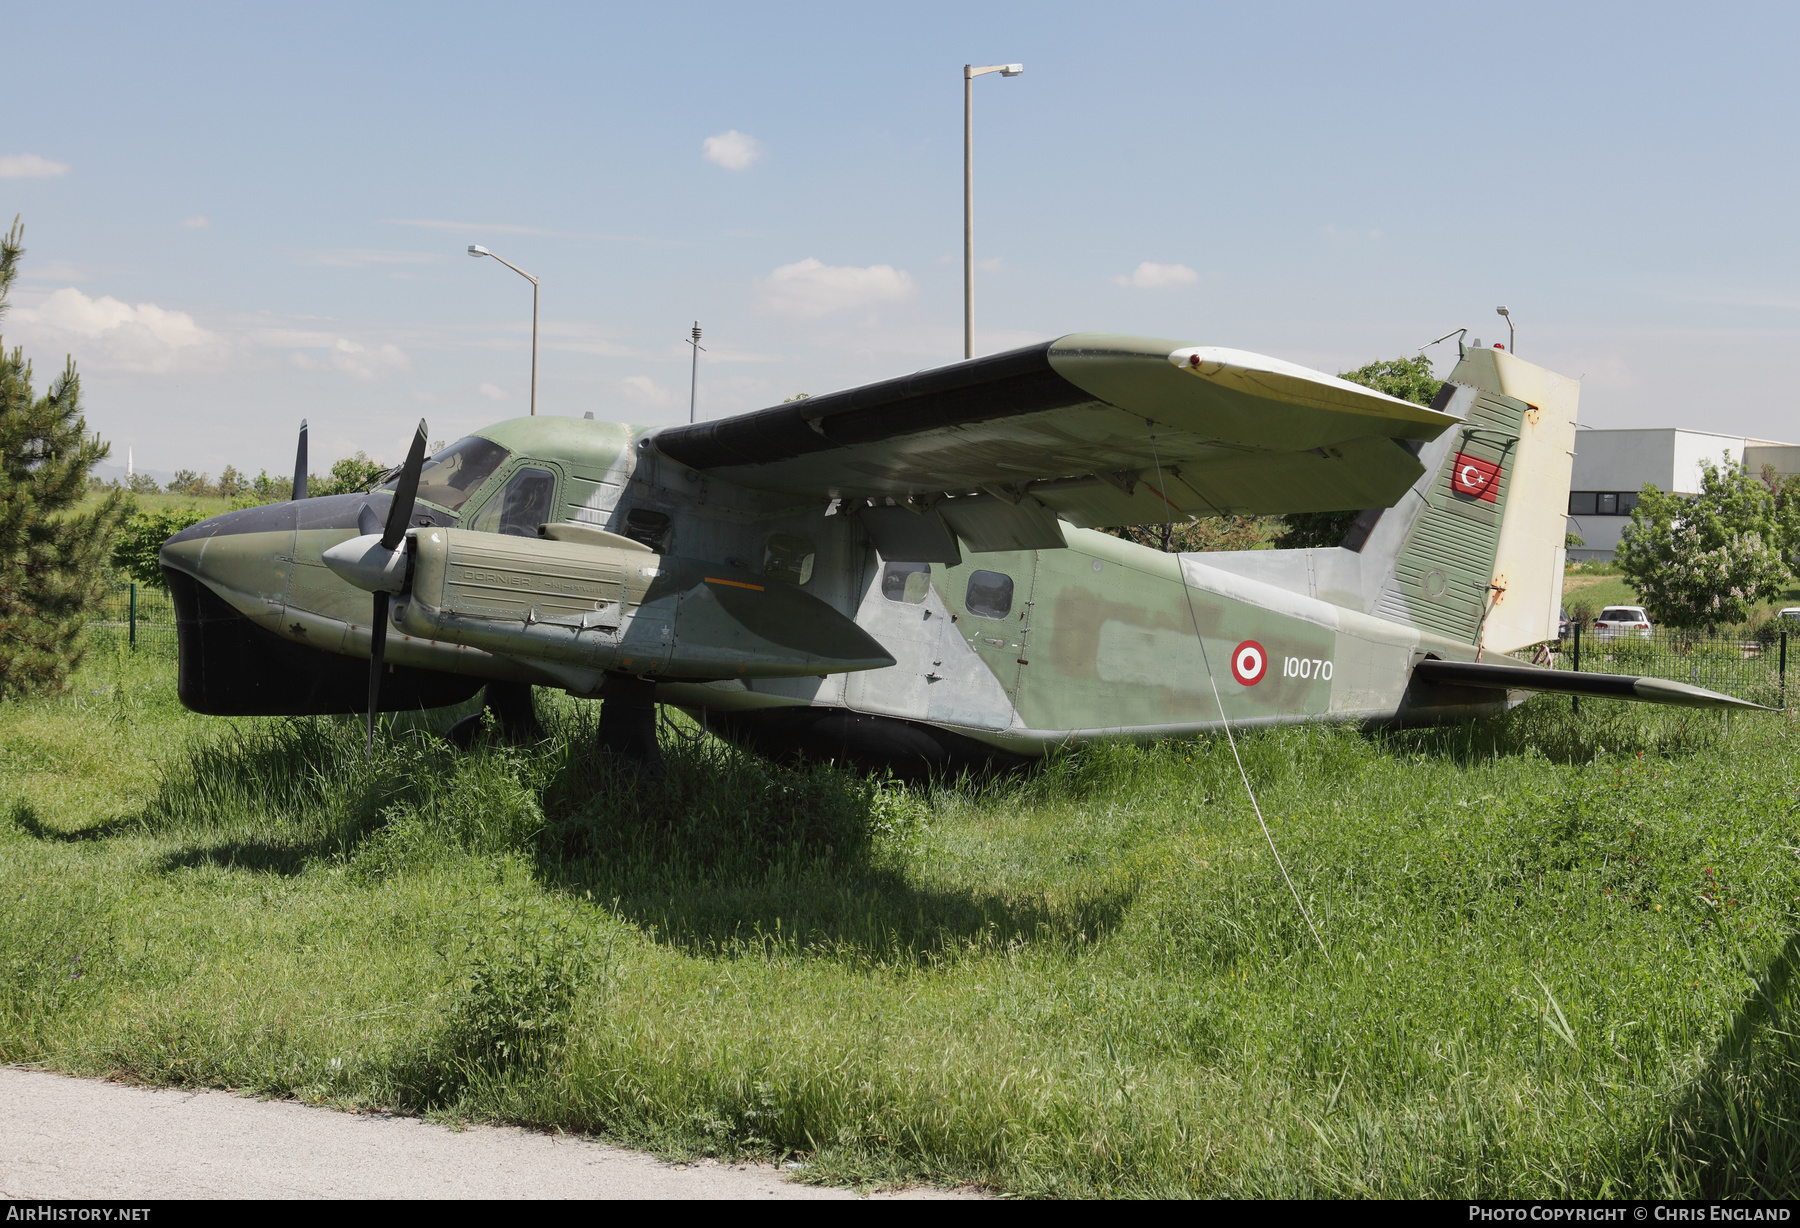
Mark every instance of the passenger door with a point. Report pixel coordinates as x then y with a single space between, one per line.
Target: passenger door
990 596
903 613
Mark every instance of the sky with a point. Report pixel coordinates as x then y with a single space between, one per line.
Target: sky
239 216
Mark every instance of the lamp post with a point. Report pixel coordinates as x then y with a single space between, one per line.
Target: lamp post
1501 311
970 72
477 250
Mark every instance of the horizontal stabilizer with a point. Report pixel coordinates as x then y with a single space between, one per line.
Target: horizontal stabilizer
1566 682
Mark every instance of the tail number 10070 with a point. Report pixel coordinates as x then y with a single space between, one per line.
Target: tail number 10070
1306 667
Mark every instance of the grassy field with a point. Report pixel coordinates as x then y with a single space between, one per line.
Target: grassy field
161 501
1561 953
1601 585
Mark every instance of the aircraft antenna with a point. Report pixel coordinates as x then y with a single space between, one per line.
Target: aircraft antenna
1459 334
694 375
1230 740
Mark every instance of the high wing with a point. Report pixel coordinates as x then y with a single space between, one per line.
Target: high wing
999 448
1495 677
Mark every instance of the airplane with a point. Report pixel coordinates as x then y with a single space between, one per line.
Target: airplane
910 575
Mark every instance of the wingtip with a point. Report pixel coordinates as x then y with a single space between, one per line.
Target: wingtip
1663 690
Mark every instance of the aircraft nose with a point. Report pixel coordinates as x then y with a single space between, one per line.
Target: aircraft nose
237 554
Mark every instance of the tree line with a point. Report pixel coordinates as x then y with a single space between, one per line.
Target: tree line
143 531
352 473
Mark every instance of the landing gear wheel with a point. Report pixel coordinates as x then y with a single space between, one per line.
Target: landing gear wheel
628 724
515 717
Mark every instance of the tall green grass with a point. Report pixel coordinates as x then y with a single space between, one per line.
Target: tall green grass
1560 952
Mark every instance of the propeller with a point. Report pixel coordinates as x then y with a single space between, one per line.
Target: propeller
300 464
405 491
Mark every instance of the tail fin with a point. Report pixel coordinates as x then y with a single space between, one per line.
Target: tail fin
1475 551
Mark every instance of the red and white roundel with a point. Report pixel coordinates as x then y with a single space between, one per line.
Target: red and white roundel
1248 662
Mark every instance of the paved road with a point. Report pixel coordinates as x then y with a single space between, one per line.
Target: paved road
83 1138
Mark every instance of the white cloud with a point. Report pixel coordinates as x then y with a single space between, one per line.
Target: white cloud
56 270
494 392
1150 276
358 258
359 362
197 222
808 288
732 150
141 338
30 166
642 390
365 363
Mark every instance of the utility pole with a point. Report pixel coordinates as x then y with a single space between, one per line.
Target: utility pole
970 72
694 374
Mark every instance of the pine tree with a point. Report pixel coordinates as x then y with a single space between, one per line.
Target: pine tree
52 553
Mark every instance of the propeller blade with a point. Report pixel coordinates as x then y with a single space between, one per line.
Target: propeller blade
368 521
405 491
377 649
300 464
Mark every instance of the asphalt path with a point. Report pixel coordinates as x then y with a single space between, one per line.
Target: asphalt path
62 1137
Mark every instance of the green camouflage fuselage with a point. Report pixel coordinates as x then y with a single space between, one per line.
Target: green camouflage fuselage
739 605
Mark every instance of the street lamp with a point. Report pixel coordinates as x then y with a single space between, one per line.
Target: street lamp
475 249
1501 311
970 72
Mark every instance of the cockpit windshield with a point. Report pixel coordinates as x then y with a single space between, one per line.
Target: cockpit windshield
450 477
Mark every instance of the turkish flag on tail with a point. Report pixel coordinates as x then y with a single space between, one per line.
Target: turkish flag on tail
1476 478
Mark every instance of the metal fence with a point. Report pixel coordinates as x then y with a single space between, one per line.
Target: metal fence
1752 667
136 616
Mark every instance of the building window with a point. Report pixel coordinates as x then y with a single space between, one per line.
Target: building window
990 594
1602 502
908 582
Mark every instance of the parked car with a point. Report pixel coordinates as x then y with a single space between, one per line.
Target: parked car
1791 614
1621 622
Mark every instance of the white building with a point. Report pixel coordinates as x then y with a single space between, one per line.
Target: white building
1612 466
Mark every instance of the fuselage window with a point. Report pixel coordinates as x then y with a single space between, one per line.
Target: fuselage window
648 528
990 594
908 582
790 558
455 473
520 507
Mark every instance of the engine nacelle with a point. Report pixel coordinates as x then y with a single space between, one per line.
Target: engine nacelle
596 607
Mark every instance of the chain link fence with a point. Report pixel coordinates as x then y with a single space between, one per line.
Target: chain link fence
1752 667
135 615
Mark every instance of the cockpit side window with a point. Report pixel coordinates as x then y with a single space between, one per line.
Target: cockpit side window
521 506
451 476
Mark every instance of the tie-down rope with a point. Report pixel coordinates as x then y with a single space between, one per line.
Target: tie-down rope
1194 619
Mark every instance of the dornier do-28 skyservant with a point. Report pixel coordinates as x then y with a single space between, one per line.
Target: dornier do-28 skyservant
909 573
